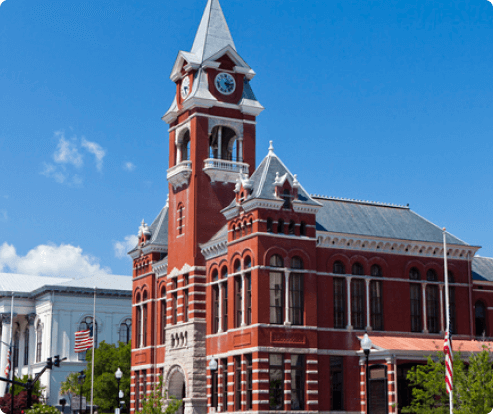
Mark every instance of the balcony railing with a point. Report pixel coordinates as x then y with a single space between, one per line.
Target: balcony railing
223 170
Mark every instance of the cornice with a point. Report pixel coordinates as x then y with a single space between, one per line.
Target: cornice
255 203
231 212
220 118
160 269
218 248
346 241
300 207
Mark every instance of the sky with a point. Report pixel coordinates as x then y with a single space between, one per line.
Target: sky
387 101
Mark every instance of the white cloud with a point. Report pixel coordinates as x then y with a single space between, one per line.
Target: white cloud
67 152
129 166
122 247
3 215
96 150
51 260
1 1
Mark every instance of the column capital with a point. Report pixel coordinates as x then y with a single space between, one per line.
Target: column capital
31 318
5 318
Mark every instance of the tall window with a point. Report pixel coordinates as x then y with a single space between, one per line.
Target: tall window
125 331
432 308
357 269
376 301
358 303
296 293
224 365
26 346
270 225
181 219
174 303
185 305
214 390
480 319
144 324
339 302
303 229
237 382
453 318
137 390
376 270
286 196
138 327
297 382
225 306
336 383
17 336
431 275
163 315
292 226
39 341
414 274
276 291
276 382
415 292
215 309
280 226
238 296
248 298
249 382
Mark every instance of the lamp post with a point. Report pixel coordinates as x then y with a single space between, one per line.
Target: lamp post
81 379
118 376
366 345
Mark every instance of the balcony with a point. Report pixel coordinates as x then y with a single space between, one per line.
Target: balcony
224 171
180 174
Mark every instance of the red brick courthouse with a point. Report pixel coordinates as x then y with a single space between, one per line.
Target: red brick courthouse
249 294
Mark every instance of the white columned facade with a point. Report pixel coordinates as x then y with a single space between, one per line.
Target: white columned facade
6 322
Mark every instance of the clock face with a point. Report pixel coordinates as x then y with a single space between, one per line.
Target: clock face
185 87
225 83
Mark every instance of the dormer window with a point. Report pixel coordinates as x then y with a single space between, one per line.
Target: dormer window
287 197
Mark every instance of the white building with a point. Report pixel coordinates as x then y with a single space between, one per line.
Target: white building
47 313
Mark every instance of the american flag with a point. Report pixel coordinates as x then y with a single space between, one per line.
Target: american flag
83 340
447 350
7 366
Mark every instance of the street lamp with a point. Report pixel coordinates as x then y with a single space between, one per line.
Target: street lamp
118 376
81 378
366 345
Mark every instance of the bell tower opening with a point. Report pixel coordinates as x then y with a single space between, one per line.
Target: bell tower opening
223 144
183 147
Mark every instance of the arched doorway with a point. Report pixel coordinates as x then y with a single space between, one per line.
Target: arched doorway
176 385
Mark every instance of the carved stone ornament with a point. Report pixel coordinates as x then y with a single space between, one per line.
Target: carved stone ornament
31 318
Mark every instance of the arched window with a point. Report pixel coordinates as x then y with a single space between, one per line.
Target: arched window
215 309
163 314
280 226
237 266
222 144
224 272
414 274
125 331
26 346
303 229
451 278
138 327
180 219
338 268
431 275
17 337
39 341
276 286
296 305
292 227
432 308
376 270
86 324
215 275
184 147
270 226
357 269
480 318
248 262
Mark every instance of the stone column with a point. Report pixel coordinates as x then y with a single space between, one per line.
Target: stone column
219 142
287 320
32 340
6 322
348 291
240 149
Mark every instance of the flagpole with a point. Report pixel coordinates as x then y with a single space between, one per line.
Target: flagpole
94 334
447 306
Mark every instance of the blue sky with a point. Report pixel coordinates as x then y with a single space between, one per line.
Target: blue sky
387 101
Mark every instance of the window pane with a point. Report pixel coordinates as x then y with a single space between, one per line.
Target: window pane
276 382
276 298
336 382
339 303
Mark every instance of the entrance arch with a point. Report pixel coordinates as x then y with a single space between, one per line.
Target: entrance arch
176 385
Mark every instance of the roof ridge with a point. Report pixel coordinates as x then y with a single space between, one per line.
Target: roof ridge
368 202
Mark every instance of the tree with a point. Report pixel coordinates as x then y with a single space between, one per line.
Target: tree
473 385
107 359
156 402
20 397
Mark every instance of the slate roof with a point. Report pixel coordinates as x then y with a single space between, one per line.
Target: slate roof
264 177
213 33
482 268
378 220
158 229
13 282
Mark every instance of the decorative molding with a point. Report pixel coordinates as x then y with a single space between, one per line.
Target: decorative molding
223 170
186 269
255 203
160 268
231 212
242 339
180 174
287 338
218 248
392 246
300 207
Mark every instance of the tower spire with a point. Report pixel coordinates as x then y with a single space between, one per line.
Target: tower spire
213 33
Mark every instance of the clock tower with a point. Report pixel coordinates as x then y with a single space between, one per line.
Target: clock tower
211 145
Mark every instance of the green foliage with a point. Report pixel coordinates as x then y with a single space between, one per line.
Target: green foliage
107 359
42 409
156 402
18 389
473 385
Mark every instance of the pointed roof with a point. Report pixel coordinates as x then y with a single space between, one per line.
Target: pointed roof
213 33
158 230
